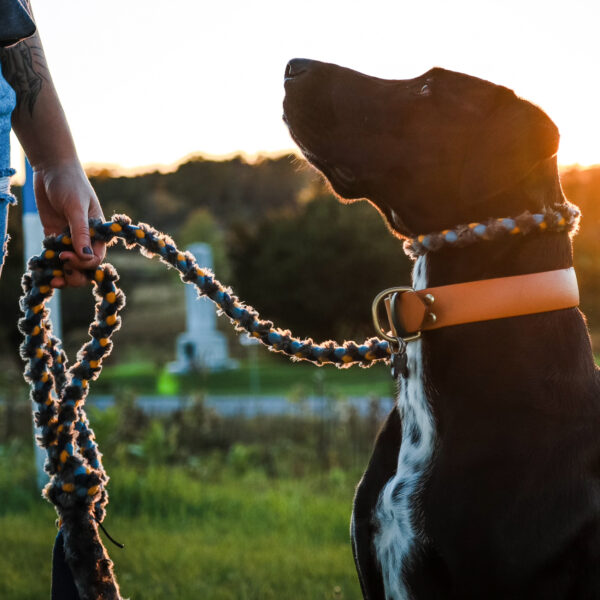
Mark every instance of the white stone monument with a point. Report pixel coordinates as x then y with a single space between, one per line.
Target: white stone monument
202 346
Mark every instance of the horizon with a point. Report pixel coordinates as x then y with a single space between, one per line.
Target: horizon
116 170
293 153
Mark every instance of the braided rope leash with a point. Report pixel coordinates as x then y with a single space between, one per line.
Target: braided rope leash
77 486
244 318
78 481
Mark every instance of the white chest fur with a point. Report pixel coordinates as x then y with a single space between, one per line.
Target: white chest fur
398 535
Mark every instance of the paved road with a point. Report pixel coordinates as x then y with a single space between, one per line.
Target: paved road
248 406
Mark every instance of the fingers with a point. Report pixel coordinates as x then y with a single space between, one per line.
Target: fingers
85 255
75 262
99 249
80 234
74 269
73 279
58 282
65 197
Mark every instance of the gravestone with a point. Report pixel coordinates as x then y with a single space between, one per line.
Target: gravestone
202 346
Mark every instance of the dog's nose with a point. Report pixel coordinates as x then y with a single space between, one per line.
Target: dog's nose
296 67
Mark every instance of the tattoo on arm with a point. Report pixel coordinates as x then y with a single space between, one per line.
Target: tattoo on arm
24 67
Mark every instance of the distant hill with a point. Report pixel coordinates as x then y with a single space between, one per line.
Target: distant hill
233 190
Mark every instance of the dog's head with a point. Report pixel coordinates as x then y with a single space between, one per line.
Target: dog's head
429 152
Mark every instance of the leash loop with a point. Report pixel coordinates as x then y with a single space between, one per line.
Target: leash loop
59 391
77 486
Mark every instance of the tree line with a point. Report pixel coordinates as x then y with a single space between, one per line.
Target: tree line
283 242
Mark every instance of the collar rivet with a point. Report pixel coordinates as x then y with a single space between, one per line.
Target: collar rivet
429 299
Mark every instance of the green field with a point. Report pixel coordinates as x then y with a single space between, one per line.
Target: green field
225 536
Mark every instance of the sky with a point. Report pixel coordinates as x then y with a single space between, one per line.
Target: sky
145 82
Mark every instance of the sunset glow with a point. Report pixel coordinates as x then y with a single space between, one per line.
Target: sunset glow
147 82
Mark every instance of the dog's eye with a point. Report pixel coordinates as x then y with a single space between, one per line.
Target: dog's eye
425 90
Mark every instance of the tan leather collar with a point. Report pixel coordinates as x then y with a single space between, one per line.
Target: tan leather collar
412 311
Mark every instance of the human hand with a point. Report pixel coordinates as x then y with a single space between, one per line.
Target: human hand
64 196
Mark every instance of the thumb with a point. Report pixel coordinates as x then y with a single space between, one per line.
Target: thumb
80 234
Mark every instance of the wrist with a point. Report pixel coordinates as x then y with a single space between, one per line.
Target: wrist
57 163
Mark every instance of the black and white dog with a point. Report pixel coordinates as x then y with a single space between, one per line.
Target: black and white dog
485 479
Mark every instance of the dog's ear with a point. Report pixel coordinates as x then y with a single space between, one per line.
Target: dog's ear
506 146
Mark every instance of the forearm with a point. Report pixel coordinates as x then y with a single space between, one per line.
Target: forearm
63 193
38 119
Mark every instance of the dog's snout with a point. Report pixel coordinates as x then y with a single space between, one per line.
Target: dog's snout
296 67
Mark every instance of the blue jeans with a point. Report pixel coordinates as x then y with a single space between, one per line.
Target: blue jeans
7 104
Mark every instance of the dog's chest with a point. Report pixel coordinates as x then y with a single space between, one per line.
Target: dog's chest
396 514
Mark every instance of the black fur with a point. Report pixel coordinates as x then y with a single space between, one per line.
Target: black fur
510 507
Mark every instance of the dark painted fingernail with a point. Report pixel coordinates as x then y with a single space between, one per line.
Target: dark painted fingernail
87 250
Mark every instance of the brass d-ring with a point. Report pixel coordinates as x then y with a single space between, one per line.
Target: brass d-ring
393 292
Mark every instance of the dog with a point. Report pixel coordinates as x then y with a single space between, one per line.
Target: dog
484 480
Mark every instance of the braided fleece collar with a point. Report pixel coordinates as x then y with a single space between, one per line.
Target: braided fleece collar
560 217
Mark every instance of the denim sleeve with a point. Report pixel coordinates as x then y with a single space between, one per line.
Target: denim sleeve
7 104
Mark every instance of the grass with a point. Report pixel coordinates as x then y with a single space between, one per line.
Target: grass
185 561
236 536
